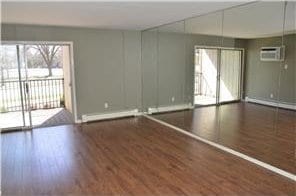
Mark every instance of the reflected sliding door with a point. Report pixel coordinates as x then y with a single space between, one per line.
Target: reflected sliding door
217 75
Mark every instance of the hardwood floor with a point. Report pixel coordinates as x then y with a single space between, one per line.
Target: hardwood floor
133 156
258 131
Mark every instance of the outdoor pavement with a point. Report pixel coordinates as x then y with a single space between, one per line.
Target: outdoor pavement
46 117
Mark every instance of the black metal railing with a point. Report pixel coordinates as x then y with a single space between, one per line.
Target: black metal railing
35 93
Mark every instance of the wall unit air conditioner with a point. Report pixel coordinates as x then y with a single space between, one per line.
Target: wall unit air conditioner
272 53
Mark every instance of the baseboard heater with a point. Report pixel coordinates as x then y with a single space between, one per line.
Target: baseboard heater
104 116
170 108
270 103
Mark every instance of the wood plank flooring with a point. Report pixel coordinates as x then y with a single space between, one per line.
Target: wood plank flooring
133 156
262 132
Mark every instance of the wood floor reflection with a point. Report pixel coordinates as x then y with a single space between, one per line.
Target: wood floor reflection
262 132
134 156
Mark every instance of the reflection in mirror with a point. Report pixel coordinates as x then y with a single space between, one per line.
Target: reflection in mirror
198 50
236 77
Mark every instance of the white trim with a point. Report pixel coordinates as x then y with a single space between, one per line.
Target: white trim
170 108
271 103
103 116
73 84
72 71
229 150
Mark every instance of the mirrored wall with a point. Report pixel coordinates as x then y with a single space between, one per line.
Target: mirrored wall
228 77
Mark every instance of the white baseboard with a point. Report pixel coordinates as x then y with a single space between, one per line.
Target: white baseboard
170 108
270 103
104 116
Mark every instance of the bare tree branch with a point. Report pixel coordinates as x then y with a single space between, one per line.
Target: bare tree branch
48 53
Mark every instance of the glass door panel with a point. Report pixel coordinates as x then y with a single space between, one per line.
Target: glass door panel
14 113
11 108
45 70
230 75
206 66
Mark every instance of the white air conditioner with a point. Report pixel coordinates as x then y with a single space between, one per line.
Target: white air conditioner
272 53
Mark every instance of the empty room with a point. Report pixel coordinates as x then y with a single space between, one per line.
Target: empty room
148 98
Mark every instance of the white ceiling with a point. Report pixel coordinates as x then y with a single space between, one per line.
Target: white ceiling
109 15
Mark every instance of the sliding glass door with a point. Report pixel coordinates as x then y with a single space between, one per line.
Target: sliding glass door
217 75
15 112
35 85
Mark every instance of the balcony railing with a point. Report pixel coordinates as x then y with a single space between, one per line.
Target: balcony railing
42 94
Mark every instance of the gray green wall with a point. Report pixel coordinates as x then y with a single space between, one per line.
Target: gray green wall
107 63
262 78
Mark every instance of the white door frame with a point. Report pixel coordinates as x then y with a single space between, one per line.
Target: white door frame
72 70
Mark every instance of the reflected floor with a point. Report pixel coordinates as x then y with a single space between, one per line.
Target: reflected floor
255 130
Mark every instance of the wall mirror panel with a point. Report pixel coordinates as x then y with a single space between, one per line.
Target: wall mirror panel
204 42
188 66
229 77
286 115
249 126
163 68
171 65
149 69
